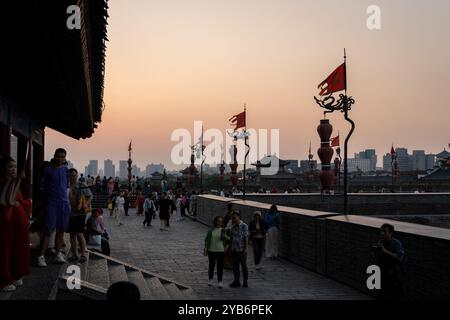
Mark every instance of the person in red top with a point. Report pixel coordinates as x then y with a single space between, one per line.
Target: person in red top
14 235
140 203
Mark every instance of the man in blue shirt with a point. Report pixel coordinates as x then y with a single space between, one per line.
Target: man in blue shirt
54 186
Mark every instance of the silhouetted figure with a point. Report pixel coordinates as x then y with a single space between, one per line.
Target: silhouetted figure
123 291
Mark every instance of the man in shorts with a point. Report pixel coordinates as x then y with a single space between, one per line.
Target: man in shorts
54 185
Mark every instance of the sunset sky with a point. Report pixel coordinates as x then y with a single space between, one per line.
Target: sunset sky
172 62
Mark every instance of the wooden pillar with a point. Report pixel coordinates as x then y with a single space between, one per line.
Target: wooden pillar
5 140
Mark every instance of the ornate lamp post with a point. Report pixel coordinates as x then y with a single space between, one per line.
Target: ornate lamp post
337 81
129 167
325 154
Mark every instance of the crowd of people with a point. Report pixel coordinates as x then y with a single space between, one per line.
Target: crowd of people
64 206
179 203
227 242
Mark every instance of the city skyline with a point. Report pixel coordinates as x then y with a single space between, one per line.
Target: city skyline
171 63
382 163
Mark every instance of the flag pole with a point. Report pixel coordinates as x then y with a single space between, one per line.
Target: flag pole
346 107
245 142
201 164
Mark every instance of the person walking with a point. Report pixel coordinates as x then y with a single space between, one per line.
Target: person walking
140 203
184 205
14 233
80 197
126 205
54 185
257 230
165 205
119 210
215 243
178 205
239 243
272 221
149 209
110 185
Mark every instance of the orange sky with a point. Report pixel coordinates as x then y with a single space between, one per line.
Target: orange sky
172 62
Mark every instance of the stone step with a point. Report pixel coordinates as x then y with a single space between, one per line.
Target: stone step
116 272
173 291
97 271
136 277
157 288
189 294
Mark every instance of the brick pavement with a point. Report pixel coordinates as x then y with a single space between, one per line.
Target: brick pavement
178 254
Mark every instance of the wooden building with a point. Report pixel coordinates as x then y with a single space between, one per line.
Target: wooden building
50 76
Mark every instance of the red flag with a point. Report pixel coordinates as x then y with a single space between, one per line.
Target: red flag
238 120
335 141
129 146
335 81
392 151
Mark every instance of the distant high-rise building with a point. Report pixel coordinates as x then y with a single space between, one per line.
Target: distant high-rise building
404 160
109 168
151 168
355 164
123 172
369 154
387 162
136 171
418 160
101 173
430 161
92 168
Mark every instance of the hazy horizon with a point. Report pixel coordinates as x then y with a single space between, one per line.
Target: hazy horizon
169 63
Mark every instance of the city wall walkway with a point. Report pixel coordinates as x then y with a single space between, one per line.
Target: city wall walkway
178 254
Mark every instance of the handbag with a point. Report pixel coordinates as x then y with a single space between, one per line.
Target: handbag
95 240
110 205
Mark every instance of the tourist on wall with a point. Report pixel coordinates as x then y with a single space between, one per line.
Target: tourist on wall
80 197
257 230
149 209
126 205
119 210
112 204
178 205
272 221
239 243
110 186
140 203
165 205
227 224
184 205
54 185
96 232
14 234
215 243
389 254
